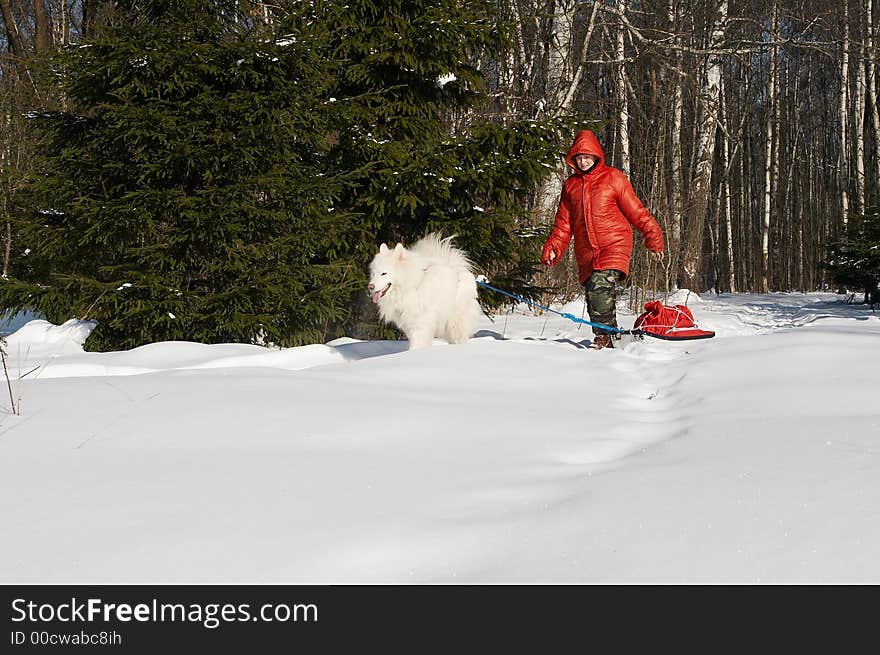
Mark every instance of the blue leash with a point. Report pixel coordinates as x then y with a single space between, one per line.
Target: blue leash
570 317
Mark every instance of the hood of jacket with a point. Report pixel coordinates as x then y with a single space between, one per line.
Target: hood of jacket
585 143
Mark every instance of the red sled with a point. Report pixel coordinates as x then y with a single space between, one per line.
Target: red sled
671 322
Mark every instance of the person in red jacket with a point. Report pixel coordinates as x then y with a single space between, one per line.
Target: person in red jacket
598 208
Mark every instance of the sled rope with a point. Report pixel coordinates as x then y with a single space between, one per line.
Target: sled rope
670 335
570 317
675 325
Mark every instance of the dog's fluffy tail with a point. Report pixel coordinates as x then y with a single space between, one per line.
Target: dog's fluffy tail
435 247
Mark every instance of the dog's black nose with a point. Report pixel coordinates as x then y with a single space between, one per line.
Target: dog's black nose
370 286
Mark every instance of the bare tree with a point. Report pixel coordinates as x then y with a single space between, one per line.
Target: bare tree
871 62
718 109
724 192
556 99
771 160
620 84
843 162
705 144
42 27
676 121
11 30
861 100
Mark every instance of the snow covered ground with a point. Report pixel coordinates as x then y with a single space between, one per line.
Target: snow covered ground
521 456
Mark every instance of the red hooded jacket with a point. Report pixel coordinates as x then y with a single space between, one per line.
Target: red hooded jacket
597 208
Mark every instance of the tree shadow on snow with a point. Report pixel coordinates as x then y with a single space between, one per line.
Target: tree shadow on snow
368 349
584 343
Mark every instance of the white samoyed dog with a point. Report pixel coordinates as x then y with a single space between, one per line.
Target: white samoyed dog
428 290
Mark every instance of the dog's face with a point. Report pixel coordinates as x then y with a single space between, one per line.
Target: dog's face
382 270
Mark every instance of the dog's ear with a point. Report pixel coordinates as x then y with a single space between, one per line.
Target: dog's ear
400 251
383 248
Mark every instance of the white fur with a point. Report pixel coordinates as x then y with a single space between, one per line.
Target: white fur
433 291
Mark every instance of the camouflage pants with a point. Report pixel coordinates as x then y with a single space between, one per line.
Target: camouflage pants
601 290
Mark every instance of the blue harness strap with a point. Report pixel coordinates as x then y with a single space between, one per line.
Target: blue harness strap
570 317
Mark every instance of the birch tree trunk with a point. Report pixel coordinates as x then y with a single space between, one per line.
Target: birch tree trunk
675 173
705 145
559 64
726 203
621 94
558 79
771 162
843 166
746 221
871 62
582 63
861 99
5 158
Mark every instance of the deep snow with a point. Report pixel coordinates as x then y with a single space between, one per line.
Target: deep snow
520 456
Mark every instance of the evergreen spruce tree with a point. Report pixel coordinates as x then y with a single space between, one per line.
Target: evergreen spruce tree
408 70
187 194
854 262
211 183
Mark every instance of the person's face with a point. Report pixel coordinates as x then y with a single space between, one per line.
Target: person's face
584 161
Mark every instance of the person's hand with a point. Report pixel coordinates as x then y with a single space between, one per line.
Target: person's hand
658 256
549 256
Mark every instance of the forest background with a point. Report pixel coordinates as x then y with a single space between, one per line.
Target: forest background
750 128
